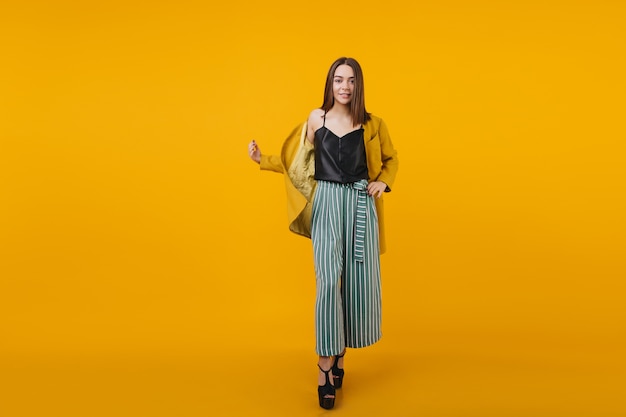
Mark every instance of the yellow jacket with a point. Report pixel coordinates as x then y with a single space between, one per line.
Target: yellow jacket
297 161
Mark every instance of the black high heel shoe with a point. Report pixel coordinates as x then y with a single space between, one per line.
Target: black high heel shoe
337 372
324 390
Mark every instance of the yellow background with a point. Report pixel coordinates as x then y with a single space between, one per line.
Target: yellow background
145 264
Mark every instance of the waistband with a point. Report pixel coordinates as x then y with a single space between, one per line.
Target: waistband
360 218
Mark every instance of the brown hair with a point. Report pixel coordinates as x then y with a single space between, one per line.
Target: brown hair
357 104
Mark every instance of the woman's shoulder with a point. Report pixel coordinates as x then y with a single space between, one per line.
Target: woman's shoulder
316 114
374 121
316 118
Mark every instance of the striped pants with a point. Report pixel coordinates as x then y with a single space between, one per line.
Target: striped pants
348 303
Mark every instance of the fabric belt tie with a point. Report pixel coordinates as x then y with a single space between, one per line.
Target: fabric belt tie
360 222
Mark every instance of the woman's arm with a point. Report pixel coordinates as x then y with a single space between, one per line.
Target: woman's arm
267 162
389 157
313 123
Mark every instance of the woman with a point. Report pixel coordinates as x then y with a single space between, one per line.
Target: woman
338 164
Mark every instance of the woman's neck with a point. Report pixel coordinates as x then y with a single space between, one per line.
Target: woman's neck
341 110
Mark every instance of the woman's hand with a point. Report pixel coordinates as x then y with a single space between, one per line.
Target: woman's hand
254 152
376 188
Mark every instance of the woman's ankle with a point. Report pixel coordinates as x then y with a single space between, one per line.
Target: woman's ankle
325 362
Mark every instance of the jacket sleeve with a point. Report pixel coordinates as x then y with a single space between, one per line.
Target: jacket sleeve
271 163
389 157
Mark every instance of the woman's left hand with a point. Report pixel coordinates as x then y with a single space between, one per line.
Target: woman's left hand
376 188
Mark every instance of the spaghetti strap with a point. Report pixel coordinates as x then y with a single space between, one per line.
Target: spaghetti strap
324 123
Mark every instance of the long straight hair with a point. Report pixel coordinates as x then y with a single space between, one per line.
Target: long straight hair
357 104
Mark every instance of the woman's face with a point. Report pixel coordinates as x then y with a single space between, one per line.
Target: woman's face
343 84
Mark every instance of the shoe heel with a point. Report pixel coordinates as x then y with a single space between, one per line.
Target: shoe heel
338 381
327 403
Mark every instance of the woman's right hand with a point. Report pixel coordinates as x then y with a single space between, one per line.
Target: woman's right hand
254 152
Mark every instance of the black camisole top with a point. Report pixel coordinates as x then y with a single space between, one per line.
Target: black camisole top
340 159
